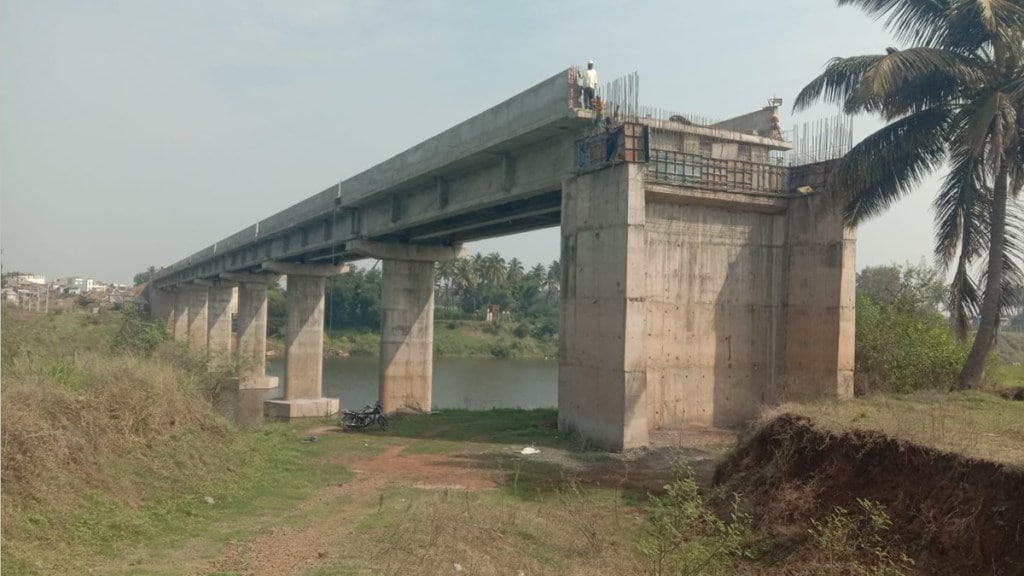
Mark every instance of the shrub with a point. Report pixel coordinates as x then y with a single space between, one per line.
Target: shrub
902 348
858 543
136 336
683 535
522 330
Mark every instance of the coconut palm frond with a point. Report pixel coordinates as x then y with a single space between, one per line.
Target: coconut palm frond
973 24
1013 257
912 80
887 165
840 79
964 298
911 21
956 208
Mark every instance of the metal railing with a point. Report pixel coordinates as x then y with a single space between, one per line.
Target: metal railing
702 171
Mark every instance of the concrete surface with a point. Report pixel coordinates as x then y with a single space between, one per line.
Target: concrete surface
602 378
181 302
219 322
406 335
198 321
304 337
281 409
252 327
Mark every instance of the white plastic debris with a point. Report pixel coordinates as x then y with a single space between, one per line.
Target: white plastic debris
529 450
458 567
209 499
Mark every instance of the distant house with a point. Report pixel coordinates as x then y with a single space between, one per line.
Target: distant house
77 285
30 279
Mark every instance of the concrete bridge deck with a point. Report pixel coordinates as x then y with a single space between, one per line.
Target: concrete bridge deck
698 284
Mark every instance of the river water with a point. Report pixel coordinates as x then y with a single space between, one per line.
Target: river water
472 383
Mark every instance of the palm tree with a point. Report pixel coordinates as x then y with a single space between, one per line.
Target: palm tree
553 278
466 283
492 273
445 277
514 274
955 96
536 275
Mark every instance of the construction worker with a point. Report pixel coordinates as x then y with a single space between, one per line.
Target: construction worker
589 85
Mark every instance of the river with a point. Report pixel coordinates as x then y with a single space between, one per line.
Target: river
472 383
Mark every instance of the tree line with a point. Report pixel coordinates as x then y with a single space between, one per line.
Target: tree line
463 287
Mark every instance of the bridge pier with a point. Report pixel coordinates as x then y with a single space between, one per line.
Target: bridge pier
221 294
407 321
180 322
161 306
198 317
304 343
251 352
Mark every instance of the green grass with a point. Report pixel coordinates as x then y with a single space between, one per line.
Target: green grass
974 424
498 426
1010 347
1005 375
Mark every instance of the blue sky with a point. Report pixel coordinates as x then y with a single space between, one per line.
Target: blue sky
136 132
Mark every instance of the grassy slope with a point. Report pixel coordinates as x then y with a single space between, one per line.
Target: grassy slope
974 424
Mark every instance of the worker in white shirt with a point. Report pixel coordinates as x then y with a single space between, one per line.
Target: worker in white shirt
589 85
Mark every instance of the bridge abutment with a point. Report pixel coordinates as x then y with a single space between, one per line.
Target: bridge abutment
602 378
820 300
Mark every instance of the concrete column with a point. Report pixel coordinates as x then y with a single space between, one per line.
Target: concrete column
198 323
181 303
252 328
219 323
602 381
304 343
161 305
407 320
406 335
304 337
820 299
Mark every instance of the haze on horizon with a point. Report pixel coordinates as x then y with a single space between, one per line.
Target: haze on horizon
133 134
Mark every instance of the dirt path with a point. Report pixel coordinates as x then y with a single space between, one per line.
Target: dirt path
285 550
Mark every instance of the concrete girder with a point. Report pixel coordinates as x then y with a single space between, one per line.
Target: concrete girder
291 268
406 252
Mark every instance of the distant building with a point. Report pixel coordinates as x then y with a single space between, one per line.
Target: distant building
30 279
77 285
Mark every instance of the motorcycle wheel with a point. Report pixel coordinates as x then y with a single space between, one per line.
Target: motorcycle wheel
382 421
353 422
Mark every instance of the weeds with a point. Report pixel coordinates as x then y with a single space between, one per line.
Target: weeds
684 536
857 543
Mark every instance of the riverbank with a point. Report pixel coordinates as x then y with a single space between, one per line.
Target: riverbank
453 338
114 463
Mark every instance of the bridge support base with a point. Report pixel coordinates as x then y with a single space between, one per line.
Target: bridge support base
280 409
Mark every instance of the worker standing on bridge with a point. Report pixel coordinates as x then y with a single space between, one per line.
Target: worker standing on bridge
589 85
